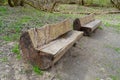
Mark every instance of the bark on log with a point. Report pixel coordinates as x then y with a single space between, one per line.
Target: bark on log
30 54
76 24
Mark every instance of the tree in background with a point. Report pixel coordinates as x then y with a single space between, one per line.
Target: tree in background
82 2
13 3
45 5
116 3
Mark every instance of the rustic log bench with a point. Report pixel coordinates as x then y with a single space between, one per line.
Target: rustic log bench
46 45
88 24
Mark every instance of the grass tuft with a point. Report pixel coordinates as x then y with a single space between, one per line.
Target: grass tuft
5 59
113 77
16 50
117 50
1 52
37 70
3 10
101 28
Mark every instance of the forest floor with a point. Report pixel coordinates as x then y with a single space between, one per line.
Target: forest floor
94 58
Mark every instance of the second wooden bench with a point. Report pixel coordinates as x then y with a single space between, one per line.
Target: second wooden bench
88 24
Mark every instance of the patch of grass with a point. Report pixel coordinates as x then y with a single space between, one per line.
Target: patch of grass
12 37
117 50
115 26
101 28
3 10
37 70
13 30
1 23
97 79
16 50
107 24
5 59
1 52
113 77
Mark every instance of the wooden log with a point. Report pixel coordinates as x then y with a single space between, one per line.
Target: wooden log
88 24
76 24
58 47
30 54
49 54
33 40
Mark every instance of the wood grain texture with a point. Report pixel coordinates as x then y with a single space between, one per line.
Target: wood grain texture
49 32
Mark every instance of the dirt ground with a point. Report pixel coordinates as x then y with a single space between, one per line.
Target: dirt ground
94 58
91 59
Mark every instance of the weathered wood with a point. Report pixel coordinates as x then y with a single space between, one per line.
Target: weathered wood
86 19
58 47
30 54
87 24
47 33
93 25
46 45
50 53
76 24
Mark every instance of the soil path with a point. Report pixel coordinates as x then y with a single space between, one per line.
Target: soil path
93 58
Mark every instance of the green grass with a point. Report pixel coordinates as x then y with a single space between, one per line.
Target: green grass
37 70
3 11
1 52
117 49
113 77
12 32
97 79
16 50
12 37
101 28
5 59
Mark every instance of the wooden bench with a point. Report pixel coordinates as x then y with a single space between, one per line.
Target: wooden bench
88 24
46 45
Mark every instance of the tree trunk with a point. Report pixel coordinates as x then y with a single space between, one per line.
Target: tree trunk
116 3
82 2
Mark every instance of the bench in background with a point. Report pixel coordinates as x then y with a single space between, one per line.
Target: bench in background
88 24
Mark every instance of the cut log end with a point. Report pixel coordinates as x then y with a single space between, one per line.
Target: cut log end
76 24
33 56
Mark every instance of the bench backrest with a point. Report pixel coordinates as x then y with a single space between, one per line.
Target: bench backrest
49 32
87 19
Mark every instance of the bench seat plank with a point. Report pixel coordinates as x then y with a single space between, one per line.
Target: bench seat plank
93 25
59 46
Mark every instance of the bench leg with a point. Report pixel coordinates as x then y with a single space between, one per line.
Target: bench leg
87 32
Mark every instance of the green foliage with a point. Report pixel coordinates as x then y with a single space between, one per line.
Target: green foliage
101 28
115 26
12 37
113 77
37 70
1 52
97 79
16 50
5 59
117 50
3 10
13 30
99 2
